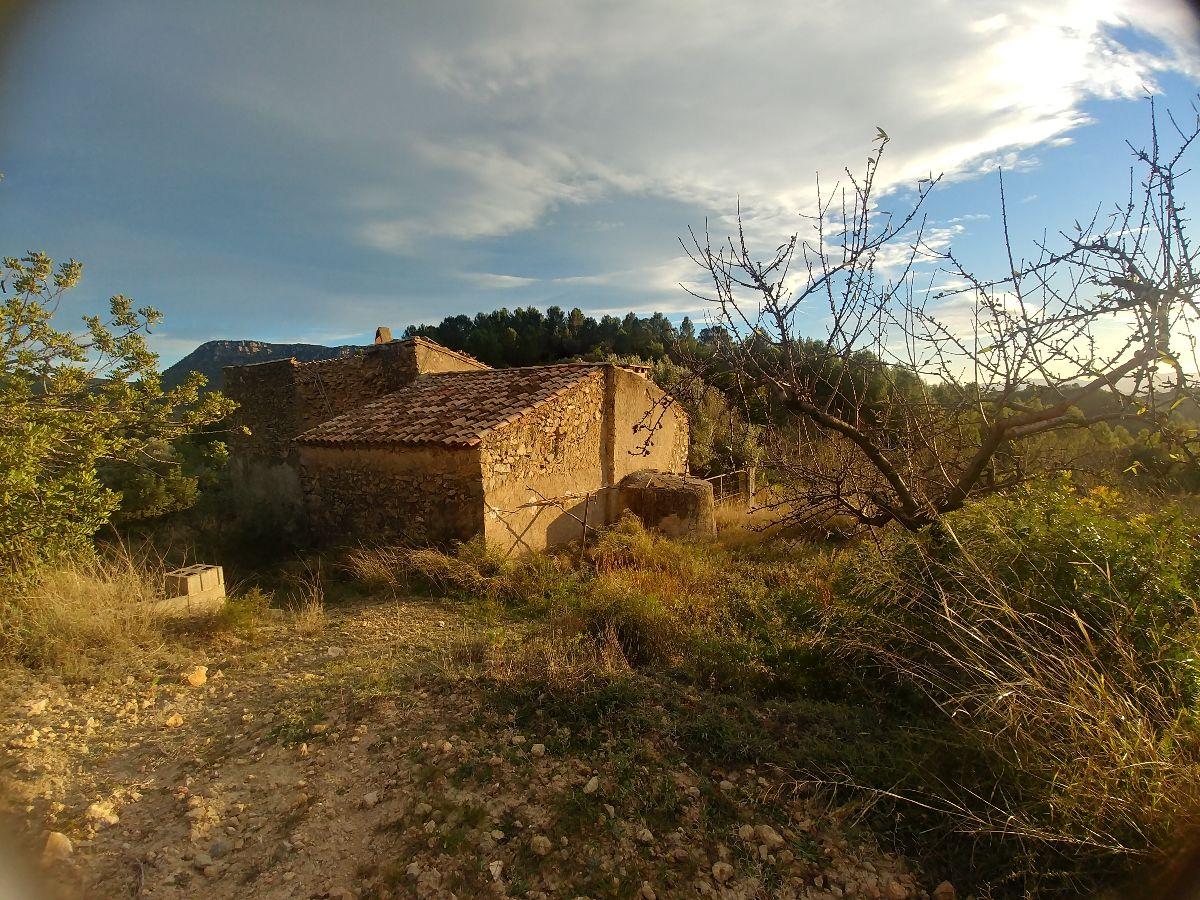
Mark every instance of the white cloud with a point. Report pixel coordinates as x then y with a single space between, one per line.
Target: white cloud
462 147
654 287
495 282
494 189
491 118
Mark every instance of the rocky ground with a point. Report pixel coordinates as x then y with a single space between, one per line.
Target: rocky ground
347 760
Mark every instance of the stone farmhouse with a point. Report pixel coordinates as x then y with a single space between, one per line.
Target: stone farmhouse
411 440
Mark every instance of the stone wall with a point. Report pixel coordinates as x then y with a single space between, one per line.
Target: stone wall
330 387
269 412
557 449
584 442
419 494
279 400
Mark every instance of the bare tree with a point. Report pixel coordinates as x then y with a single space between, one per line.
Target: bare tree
931 385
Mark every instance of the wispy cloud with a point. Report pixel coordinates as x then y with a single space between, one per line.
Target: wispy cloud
494 282
325 170
491 121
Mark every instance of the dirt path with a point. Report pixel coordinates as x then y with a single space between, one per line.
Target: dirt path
343 762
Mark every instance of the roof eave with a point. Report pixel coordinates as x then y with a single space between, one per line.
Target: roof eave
386 444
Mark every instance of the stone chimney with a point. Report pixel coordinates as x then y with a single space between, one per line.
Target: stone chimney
383 335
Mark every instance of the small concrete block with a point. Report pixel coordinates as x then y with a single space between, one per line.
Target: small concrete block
192 590
194 580
212 577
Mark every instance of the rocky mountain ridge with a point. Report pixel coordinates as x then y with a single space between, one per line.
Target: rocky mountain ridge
211 357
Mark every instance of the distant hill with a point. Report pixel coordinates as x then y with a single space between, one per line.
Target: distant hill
211 357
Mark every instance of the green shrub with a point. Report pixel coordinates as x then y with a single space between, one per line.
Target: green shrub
638 624
1059 635
243 611
629 545
74 400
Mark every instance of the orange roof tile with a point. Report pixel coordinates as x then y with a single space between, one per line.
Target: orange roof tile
452 409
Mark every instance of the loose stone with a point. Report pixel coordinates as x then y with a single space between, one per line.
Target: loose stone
58 846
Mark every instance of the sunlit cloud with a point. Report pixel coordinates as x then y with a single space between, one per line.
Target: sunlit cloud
591 100
328 170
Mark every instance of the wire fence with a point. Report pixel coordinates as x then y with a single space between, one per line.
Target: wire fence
737 486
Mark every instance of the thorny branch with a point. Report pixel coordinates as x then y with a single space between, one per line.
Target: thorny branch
931 385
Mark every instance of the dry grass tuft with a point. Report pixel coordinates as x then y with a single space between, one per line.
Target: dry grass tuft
380 568
461 574
308 609
732 516
1061 638
82 618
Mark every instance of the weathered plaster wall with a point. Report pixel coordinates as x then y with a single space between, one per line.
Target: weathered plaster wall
557 449
432 357
586 441
649 431
423 494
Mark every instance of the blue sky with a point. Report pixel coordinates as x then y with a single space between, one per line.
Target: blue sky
307 171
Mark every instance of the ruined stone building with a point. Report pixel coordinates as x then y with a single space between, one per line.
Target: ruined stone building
411 440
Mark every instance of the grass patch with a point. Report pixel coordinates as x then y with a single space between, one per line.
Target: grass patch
245 612
83 619
1056 636
1012 697
294 720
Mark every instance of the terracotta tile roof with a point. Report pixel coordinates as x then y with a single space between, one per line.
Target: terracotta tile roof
452 409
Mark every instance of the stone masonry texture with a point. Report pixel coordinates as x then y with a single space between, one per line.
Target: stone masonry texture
410 441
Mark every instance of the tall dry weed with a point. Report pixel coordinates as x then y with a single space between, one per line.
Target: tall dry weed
308 609
1058 636
83 617
380 568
